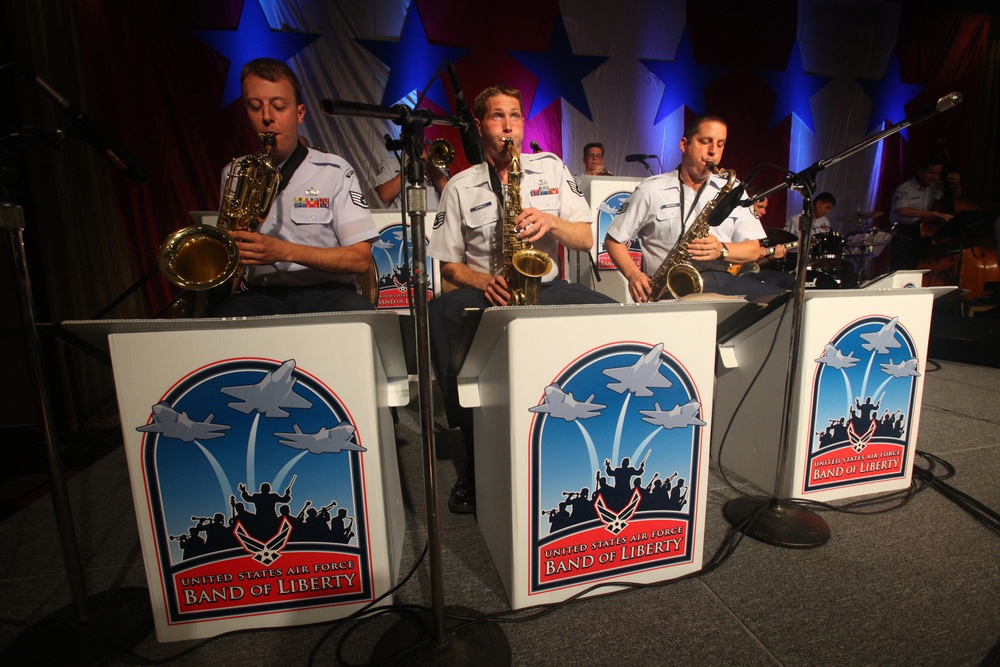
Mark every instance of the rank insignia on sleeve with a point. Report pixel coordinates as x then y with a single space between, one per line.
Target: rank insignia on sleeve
438 220
358 199
575 188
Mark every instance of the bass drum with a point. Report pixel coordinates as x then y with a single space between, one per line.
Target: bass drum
827 251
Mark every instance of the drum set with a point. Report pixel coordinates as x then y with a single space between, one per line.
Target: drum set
836 262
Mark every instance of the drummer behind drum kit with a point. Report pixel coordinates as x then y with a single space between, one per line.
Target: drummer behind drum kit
834 263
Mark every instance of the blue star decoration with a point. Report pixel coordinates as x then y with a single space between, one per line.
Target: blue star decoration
684 80
560 72
794 88
413 61
253 38
889 96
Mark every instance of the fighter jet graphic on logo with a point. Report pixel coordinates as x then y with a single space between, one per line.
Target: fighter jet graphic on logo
616 523
834 358
271 396
680 416
176 424
883 339
905 368
265 553
562 405
325 440
641 377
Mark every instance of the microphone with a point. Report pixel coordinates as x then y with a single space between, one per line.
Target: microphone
943 104
727 205
535 147
731 200
638 157
471 143
106 143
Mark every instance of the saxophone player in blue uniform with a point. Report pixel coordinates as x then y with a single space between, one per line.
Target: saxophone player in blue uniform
464 239
663 207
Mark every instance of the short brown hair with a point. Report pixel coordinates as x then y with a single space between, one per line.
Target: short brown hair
479 106
692 128
271 69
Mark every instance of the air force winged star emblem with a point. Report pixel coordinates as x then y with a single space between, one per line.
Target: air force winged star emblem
265 553
616 523
271 396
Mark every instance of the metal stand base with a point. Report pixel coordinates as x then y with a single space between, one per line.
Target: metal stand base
117 621
780 525
481 644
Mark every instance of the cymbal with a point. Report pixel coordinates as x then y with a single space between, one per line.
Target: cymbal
861 215
777 235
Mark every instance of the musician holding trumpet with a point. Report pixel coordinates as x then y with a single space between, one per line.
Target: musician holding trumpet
318 231
526 199
662 209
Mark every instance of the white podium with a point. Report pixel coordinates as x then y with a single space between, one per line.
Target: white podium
855 416
262 462
605 194
591 431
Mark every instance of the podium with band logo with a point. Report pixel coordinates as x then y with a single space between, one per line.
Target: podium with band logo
856 411
591 433
262 462
605 195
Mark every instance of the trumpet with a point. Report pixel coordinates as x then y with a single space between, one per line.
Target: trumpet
441 154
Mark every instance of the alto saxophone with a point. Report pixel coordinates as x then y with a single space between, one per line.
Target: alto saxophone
523 265
201 257
676 277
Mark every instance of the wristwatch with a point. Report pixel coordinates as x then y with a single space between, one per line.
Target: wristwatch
725 251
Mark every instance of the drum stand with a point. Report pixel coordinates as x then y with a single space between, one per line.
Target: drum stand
780 521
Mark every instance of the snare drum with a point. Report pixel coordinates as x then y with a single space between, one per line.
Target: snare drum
827 250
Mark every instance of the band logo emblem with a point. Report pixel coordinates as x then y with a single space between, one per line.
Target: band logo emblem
611 206
392 261
244 463
863 396
613 476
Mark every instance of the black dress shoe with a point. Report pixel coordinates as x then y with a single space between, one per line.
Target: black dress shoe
463 495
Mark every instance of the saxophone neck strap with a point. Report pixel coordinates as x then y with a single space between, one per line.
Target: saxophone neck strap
495 184
685 217
291 164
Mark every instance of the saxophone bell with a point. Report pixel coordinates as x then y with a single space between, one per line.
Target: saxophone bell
676 276
523 265
202 257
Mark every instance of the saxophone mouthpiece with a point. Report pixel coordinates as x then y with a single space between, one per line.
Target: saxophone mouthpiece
712 167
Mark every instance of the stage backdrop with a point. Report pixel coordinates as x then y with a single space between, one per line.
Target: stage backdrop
797 80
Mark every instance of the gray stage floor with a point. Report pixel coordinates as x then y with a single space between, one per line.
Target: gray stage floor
918 585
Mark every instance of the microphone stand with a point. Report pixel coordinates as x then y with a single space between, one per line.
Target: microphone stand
780 521
480 643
